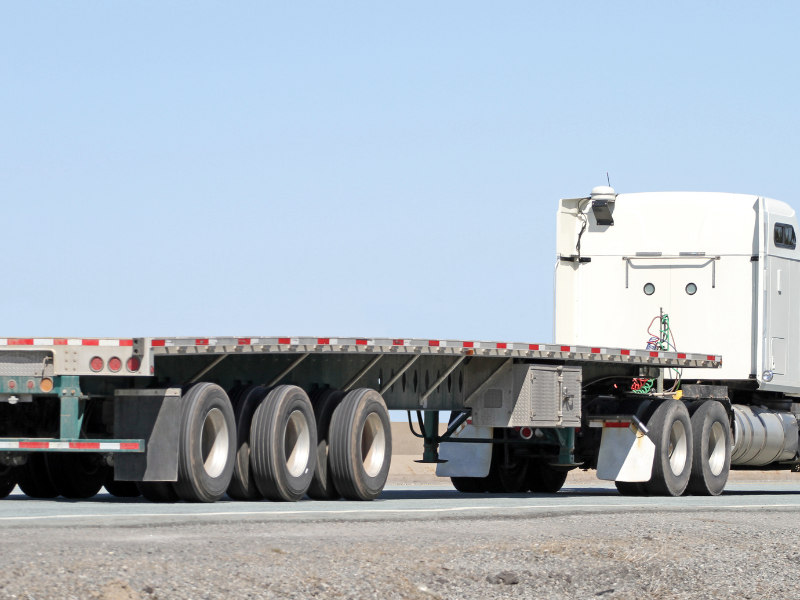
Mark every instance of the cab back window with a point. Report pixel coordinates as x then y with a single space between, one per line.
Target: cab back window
784 236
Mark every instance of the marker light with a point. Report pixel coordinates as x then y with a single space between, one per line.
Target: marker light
767 376
46 385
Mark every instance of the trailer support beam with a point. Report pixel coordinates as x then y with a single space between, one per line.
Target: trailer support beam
288 369
349 385
196 377
438 382
399 374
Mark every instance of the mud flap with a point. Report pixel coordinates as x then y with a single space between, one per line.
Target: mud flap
626 454
466 460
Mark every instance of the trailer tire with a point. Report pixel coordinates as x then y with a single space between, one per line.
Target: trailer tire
283 436
630 488
469 485
544 479
243 484
158 491
207 444
671 431
8 480
360 445
515 479
33 479
322 485
121 489
711 460
76 475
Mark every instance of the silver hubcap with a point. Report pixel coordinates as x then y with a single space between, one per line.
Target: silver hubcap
716 448
215 441
373 445
297 444
677 447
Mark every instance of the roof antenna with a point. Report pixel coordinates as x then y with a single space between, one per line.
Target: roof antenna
608 180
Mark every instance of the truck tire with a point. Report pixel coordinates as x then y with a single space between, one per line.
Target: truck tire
121 489
158 491
33 478
322 486
671 432
469 485
711 461
243 484
544 479
360 445
8 480
207 444
630 488
514 479
76 475
283 436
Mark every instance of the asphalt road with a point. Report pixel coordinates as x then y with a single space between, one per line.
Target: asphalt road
415 542
396 502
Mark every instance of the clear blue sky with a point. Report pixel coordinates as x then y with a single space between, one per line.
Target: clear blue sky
345 168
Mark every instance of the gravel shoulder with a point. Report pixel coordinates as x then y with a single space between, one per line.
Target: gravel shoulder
658 554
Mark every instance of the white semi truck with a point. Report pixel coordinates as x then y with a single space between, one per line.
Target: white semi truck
641 279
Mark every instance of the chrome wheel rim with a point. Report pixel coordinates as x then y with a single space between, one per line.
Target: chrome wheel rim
678 444
373 445
716 448
297 443
215 442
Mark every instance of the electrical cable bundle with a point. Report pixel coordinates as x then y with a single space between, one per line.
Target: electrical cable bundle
658 342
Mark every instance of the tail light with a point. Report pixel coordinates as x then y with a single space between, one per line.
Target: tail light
526 433
114 364
96 364
133 364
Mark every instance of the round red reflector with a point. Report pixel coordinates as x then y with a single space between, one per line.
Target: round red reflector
30 384
12 384
114 364
526 432
133 364
96 364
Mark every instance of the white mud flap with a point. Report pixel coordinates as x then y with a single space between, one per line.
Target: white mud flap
626 454
466 460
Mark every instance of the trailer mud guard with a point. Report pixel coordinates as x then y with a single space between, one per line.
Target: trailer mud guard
626 453
152 415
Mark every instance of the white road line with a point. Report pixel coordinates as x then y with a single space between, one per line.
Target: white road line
406 510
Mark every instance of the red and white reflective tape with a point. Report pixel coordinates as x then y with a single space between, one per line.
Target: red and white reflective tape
63 342
35 445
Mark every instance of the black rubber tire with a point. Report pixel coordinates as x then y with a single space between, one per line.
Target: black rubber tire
33 479
544 479
158 491
630 488
243 485
703 481
322 485
121 489
208 435
514 479
664 482
469 485
76 475
8 480
347 440
275 479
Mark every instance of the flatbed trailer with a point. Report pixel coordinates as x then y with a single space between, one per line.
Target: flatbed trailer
120 400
